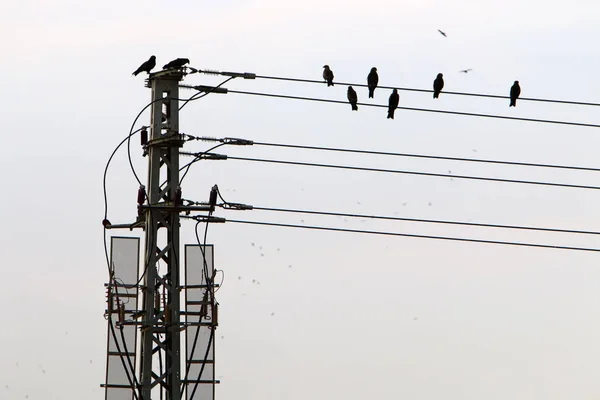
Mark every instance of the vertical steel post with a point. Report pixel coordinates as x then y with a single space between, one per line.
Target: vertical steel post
162 242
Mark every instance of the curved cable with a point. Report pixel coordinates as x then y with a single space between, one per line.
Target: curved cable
132 381
206 93
197 157
192 98
209 287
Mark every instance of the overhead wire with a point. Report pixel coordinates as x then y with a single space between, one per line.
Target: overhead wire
385 233
193 97
197 158
547 121
406 89
433 157
349 167
420 220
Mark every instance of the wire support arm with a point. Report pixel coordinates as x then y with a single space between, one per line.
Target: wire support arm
245 75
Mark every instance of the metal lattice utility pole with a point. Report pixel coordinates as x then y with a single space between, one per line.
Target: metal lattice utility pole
159 206
159 316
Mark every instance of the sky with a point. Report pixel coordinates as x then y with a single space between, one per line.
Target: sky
336 315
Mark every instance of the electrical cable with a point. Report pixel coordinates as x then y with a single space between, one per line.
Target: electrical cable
323 228
192 98
209 287
420 109
579 103
222 279
432 221
210 341
205 93
384 153
480 178
160 367
196 158
133 382
128 357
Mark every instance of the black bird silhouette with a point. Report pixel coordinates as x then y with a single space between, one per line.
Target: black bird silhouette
438 85
393 103
353 98
176 63
442 33
328 75
515 92
146 66
464 71
372 81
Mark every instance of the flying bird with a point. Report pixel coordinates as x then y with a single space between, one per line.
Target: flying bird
464 71
176 63
146 66
442 33
393 103
515 91
438 85
372 81
328 75
352 98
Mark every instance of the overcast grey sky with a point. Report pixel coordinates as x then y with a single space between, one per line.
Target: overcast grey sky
356 316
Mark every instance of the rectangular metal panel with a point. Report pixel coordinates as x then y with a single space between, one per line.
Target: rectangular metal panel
124 256
197 265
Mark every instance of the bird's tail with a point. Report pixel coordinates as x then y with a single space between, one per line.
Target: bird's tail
371 92
329 83
354 107
436 94
513 103
391 114
135 73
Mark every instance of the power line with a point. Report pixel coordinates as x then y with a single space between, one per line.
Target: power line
480 178
579 103
294 146
324 228
546 121
433 221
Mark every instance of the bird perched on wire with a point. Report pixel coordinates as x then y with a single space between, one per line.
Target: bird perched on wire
146 66
176 63
393 103
353 98
442 33
438 85
515 92
328 75
372 81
